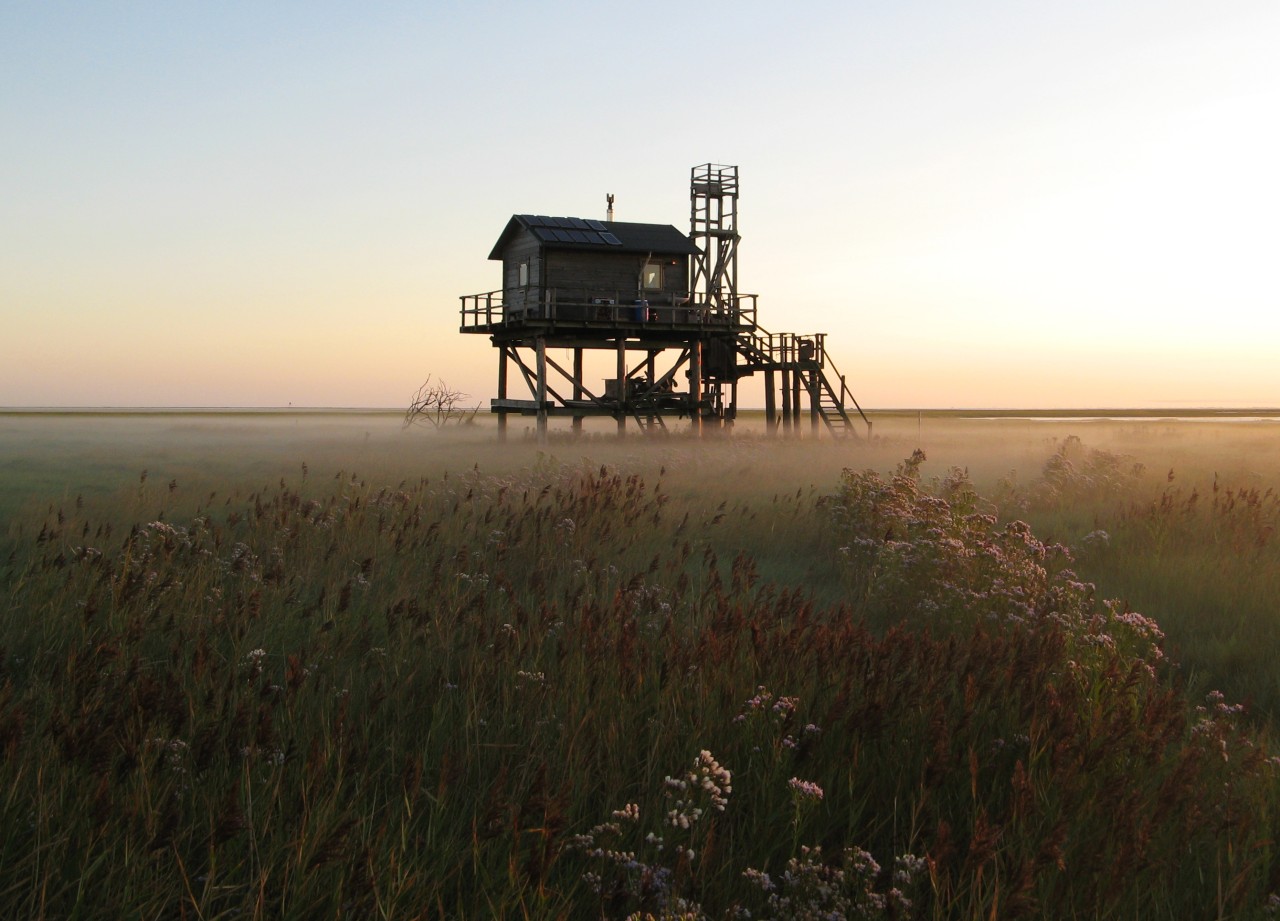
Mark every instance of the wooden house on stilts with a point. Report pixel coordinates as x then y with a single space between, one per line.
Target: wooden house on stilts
666 304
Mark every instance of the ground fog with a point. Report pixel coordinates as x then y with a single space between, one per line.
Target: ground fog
320 665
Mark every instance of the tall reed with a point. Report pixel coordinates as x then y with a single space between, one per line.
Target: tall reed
553 693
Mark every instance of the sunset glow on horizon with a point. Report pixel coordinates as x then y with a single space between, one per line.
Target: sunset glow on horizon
982 205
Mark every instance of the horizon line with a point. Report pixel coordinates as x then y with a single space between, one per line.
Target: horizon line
1167 409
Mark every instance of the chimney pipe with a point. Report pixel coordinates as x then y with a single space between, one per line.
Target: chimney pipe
609 198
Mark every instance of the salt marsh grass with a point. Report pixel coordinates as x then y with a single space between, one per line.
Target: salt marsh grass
351 671
1191 538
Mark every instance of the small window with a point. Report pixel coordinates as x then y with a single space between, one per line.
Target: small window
524 273
651 278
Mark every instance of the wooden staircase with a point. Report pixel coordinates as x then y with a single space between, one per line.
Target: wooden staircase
806 358
649 423
829 404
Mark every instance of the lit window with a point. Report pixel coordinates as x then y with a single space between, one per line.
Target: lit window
651 278
524 274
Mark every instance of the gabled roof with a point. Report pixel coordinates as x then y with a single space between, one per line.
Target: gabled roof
602 236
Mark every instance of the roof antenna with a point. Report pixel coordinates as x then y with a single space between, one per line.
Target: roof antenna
609 198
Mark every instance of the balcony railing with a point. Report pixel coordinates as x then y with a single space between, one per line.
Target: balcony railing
516 306
789 348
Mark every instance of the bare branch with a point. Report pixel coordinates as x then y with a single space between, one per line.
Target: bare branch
438 404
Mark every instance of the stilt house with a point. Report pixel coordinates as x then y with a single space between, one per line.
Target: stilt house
645 292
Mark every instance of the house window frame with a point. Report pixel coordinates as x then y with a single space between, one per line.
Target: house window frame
659 272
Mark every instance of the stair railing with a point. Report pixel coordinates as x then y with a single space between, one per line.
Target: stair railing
846 392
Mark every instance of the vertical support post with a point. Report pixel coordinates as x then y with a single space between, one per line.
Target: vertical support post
795 401
541 346
732 415
502 391
622 386
651 371
786 401
577 387
695 384
814 411
770 404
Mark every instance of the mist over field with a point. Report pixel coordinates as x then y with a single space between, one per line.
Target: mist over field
181 456
104 451
318 664
143 463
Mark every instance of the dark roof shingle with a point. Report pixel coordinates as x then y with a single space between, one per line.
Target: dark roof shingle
604 236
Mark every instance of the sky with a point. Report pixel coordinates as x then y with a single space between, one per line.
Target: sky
983 204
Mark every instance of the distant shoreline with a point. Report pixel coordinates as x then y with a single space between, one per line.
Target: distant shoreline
195 410
1047 413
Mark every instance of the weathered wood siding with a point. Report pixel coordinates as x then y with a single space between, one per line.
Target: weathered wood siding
523 246
584 275
588 274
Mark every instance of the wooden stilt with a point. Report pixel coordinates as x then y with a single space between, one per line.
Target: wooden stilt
651 372
622 386
502 391
695 384
815 417
541 347
786 402
577 387
795 402
770 404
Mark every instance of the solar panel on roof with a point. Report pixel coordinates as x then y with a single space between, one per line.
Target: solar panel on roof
570 230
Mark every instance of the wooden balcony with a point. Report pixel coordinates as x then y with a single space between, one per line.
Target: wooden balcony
582 312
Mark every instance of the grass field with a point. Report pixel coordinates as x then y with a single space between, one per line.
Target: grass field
301 665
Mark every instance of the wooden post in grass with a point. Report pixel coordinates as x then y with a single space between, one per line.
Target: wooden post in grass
770 404
815 417
786 402
695 384
540 344
622 386
577 387
651 373
502 391
795 402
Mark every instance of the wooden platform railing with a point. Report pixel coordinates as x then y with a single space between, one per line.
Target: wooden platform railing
789 348
482 312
